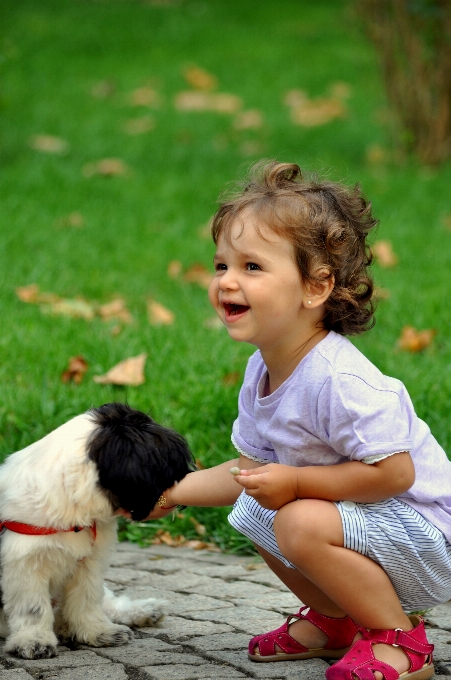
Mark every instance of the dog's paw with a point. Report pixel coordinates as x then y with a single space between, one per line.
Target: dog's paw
114 636
39 646
136 613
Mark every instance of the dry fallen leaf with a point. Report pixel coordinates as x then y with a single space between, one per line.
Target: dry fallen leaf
200 79
313 112
412 340
248 120
28 293
376 154
199 464
446 220
219 102
159 315
103 89
199 274
214 323
174 269
127 372
73 219
107 167
384 254
49 144
380 293
341 90
77 308
138 126
200 528
116 309
231 378
295 98
75 371
145 96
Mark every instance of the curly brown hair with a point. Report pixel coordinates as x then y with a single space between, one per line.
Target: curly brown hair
327 223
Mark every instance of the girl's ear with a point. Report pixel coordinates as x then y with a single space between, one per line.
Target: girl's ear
319 289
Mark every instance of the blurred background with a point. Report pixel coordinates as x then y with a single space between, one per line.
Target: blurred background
122 121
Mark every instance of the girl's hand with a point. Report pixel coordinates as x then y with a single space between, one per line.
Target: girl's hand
158 511
272 485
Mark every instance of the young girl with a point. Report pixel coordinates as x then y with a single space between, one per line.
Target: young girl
344 490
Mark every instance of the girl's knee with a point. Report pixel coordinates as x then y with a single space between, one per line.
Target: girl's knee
304 524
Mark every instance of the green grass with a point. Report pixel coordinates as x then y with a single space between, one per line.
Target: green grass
52 53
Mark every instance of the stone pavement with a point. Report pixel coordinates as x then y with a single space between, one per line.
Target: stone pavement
215 603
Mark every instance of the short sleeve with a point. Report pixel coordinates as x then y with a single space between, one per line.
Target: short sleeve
245 436
362 421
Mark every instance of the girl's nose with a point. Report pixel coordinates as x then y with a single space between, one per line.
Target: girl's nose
228 280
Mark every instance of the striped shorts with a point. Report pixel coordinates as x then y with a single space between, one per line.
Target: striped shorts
413 553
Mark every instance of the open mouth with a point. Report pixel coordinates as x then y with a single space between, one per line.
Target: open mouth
234 310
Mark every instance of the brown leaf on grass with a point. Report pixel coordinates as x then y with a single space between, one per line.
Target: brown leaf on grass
127 372
199 464
159 315
144 96
32 295
314 112
380 293
73 220
199 274
446 220
138 126
376 154
77 308
174 269
165 538
412 340
199 78
340 90
219 102
106 167
75 371
200 528
103 89
384 254
213 323
116 309
295 98
49 144
248 120
231 378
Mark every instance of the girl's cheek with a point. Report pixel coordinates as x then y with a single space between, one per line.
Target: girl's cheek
213 292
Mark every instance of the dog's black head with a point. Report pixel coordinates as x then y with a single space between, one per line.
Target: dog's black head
136 458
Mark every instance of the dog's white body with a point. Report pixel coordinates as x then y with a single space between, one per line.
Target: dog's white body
53 584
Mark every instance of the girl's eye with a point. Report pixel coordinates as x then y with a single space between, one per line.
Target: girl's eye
252 267
220 266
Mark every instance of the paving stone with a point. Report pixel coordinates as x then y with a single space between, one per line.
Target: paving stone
112 671
177 628
266 577
283 603
182 672
442 668
207 643
216 587
228 572
440 616
177 603
309 669
74 659
182 582
441 639
14 674
139 652
121 559
245 619
126 575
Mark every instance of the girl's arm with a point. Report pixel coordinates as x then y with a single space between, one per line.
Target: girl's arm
275 485
213 487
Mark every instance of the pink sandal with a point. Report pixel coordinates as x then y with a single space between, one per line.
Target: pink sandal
341 633
359 663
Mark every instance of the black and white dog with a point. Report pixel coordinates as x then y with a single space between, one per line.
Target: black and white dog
58 497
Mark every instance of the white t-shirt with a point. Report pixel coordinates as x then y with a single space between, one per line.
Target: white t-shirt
337 406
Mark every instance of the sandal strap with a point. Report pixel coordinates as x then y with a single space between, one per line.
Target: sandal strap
399 638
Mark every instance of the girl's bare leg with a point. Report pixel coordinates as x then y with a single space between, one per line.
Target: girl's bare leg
310 535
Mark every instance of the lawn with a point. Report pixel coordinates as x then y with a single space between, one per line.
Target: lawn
103 80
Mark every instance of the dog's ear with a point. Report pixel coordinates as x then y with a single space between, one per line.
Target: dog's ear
136 458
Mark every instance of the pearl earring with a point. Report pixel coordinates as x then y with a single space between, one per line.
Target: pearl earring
309 302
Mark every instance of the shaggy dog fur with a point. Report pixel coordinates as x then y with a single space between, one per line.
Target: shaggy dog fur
77 476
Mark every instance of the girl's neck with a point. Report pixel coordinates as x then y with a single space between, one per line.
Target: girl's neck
281 362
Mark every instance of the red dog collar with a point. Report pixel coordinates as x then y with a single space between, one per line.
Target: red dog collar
31 530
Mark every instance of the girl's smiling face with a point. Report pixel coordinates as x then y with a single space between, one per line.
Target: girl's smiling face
257 290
